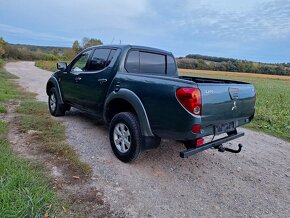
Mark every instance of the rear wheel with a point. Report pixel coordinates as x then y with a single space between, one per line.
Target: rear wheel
54 105
125 136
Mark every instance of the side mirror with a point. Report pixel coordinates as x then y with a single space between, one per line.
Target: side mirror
61 66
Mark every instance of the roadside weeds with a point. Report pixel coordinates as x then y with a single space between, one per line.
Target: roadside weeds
40 174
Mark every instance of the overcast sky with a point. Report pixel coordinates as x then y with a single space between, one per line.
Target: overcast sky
256 30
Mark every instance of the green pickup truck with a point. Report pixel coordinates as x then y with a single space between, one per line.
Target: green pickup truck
137 91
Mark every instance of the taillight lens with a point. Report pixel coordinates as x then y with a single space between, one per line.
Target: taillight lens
190 98
199 142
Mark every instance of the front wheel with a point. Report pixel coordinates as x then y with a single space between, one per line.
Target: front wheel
125 136
55 107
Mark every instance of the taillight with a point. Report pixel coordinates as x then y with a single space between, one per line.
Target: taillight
199 142
190 98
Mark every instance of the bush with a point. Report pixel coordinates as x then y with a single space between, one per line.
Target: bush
1 62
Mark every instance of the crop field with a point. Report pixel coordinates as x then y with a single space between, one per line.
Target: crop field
273 99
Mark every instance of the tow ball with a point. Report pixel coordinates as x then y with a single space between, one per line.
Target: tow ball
221 148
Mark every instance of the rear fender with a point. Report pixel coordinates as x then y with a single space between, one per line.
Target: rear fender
136 103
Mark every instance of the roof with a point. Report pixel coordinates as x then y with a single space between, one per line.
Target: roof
133 47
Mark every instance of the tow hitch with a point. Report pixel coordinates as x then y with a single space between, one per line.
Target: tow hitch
217 144
221 148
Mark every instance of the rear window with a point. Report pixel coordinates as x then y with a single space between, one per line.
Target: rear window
151 63
171 66
145 63
132 63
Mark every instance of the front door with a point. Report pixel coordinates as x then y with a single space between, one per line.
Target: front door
95 82
71 79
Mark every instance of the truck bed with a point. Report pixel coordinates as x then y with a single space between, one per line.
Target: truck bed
210 80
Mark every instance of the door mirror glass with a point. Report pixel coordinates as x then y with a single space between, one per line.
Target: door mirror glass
61 66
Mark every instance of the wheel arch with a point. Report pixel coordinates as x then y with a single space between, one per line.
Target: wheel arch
126 100
52 82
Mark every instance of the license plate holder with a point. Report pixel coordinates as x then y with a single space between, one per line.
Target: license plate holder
224 127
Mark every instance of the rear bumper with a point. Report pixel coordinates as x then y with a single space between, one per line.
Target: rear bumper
206 146
206 130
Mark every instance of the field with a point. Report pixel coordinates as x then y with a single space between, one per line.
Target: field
46 65
273 99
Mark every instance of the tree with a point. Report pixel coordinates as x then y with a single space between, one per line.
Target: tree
87 42
69 54
2 47
76 46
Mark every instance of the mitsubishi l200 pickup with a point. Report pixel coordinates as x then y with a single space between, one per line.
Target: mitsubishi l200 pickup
137 91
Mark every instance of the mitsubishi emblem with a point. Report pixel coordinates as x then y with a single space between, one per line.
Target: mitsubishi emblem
235 106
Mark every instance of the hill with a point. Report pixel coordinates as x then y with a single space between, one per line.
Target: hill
41 49
202 62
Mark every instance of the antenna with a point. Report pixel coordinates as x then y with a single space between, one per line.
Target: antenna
113 40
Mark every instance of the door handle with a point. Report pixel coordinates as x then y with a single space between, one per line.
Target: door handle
78 79
101 81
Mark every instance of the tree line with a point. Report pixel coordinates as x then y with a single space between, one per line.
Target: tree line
48 53
201 62
191 61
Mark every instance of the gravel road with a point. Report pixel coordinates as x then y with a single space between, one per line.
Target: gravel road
254 183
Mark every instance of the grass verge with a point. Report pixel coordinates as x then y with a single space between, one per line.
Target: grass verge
49 133
25 189
272 114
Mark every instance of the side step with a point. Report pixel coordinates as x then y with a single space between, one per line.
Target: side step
215 144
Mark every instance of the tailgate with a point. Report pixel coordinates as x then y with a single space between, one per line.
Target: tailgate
224 103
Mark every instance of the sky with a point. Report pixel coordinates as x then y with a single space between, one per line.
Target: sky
257 30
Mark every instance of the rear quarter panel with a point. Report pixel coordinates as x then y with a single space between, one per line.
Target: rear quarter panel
168 119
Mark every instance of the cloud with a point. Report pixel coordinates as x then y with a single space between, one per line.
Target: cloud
256 21
222 28
25 33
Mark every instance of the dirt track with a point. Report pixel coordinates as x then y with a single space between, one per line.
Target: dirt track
255 182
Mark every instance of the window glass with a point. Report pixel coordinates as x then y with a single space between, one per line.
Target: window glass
171 66
132 63
151 63
99 59
112 53
81 62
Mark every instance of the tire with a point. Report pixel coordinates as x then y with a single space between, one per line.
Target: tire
55 108
125 136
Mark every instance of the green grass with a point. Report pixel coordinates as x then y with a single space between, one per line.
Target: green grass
46 65
25 189
272 114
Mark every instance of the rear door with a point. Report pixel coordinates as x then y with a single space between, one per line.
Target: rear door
95 82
